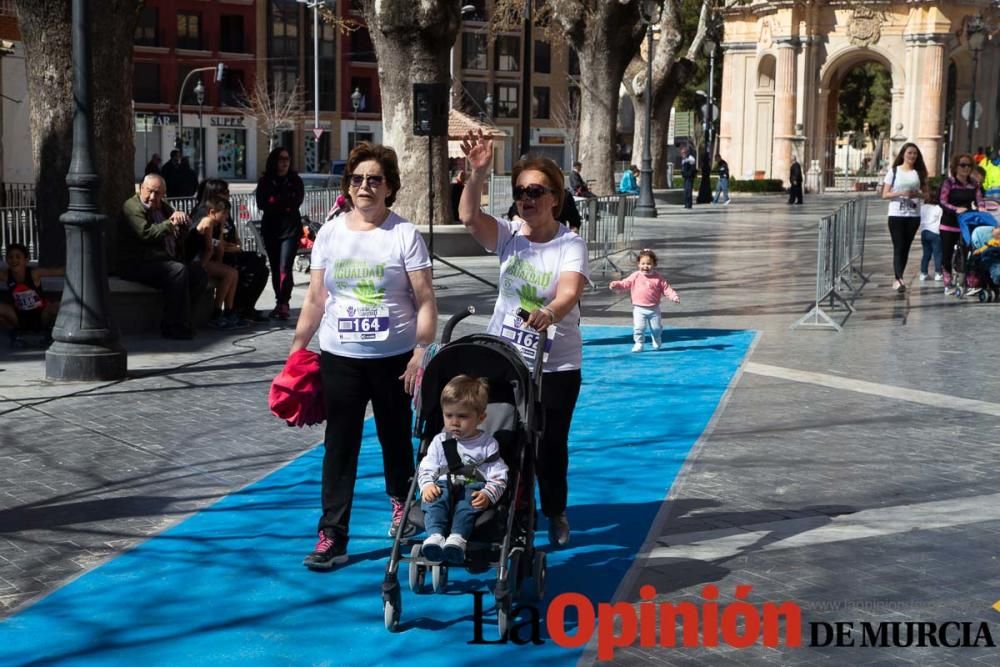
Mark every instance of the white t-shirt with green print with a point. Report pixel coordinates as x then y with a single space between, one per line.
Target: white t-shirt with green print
529 273
370 309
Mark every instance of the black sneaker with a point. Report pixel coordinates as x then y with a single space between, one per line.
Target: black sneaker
327 553
559 530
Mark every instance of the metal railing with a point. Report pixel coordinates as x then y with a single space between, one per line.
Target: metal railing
19 224
840 254
17 195
608 228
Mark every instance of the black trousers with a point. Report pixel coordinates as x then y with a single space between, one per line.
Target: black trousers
559 393
688 193
948 242
181 284
795 194
902 232
253 278
281 257
348 385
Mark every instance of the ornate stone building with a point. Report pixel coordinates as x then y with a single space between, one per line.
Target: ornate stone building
785 60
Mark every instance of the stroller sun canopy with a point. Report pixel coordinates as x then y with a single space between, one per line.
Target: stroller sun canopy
970 220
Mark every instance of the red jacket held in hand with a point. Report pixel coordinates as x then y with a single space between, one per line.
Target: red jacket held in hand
297 392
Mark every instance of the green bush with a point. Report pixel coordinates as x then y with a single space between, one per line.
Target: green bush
763 185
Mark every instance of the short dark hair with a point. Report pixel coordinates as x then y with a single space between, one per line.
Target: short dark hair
577 165
211 186
216 203
646 252
18 246
553 174
385 156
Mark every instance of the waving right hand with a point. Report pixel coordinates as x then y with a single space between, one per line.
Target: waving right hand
478 149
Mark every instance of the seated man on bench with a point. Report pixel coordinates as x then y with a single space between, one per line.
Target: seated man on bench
150 251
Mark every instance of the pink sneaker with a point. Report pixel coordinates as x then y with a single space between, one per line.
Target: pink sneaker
398 506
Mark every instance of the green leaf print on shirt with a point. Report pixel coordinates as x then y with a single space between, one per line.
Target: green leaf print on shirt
530 300
367 294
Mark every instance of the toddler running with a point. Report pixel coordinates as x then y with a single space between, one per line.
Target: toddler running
647 288
472 486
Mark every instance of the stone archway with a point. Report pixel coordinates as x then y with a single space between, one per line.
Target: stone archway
828 145
812 46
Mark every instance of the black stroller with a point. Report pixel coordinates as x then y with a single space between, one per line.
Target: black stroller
968 264
503 536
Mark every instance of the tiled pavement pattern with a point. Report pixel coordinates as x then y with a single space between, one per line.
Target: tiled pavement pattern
86 476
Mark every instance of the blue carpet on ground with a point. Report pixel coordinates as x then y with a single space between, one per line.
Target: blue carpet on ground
225 587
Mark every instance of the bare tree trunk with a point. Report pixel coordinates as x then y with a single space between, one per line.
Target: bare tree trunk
47 29
412 44
605 35
671 72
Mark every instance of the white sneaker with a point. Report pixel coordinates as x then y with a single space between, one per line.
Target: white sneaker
974 291
923 277
938 278
454 549
727 202
433 548
637 347
656 344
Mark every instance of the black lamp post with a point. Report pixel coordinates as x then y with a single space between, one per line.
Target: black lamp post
355 104
646 206
199 93
526 83
976 34
705 189
86 346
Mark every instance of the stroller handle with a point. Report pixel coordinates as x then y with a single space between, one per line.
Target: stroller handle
453 320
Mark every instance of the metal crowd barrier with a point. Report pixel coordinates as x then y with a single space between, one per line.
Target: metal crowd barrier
608 228
840 254
20 225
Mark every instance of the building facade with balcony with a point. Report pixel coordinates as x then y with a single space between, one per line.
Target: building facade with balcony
172 38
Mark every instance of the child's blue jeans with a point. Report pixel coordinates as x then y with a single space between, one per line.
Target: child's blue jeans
436 512
932 246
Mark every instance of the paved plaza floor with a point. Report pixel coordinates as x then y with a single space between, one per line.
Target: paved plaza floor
852 473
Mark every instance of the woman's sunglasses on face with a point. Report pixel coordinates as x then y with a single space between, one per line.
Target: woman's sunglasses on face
965 165
533 191
373 181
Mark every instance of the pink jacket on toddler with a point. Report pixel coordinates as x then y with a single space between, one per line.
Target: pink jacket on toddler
647 289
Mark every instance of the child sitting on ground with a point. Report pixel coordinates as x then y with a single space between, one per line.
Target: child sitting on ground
647 288
462 468
209 251
26 308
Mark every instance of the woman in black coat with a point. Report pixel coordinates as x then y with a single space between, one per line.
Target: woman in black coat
279 194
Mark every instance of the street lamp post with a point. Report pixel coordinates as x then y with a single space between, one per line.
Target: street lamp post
646 206
355 104
976 34
85 346
705 189
199 93
316 134
180 98
526 83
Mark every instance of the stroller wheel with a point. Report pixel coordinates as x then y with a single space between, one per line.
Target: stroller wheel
418 573
439 577
538 570
392 609
982 297
503 617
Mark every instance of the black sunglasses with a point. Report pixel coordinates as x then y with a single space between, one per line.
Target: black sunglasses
964 164
533 191
373 181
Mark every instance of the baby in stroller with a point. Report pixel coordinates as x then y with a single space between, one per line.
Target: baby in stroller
462 474
975 266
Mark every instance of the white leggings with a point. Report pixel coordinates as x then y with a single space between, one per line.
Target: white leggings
643 317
